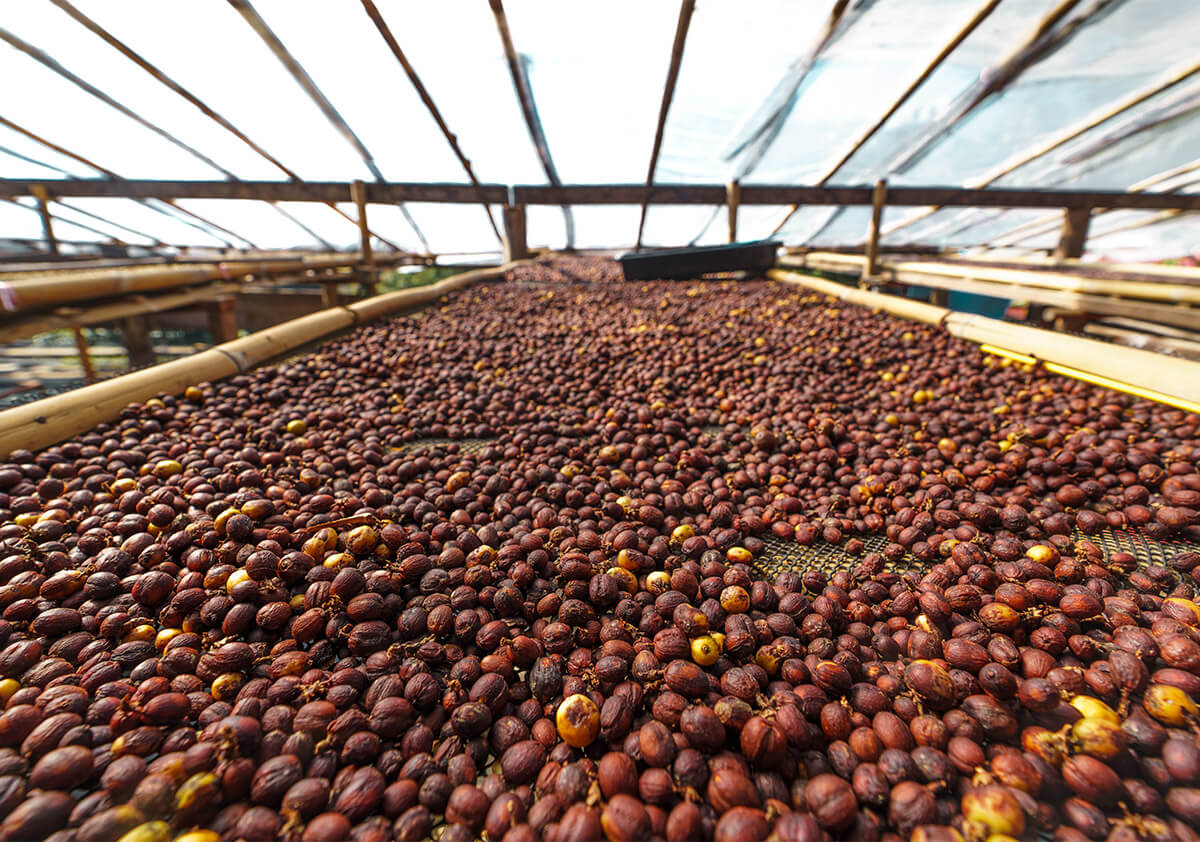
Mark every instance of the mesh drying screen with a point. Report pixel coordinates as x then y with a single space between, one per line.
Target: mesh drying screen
779 556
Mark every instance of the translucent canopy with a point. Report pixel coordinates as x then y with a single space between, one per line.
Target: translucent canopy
768 92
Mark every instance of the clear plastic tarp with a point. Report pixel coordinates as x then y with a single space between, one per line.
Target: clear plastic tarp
596 75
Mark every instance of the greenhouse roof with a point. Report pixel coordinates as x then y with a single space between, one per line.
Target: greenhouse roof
1078 95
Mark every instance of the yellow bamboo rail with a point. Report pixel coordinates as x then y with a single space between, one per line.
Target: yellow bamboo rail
33 292
42 423
1168 380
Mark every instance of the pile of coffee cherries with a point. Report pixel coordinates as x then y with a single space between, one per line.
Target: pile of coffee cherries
494 571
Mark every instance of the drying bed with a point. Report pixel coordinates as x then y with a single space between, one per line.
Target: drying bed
573 558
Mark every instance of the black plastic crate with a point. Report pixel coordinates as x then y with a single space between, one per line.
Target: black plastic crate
679 264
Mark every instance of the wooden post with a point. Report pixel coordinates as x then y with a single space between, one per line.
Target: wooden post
222 319
515 246
135 333
939 297
85 356
358 194
329 293
878 198
1074 234
43 200
733 198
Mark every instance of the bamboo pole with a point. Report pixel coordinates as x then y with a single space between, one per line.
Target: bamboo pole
686 8
1072 132
386 32
1169 380
43 201
42 423
33 292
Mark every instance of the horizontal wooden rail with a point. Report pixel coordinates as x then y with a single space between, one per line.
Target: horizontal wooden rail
599 194
42 423
1154 376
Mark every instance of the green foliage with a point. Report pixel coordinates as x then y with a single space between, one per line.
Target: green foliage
391 280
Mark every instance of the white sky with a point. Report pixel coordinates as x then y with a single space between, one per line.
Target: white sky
597 74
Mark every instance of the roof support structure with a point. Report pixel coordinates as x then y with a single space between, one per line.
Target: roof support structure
533 123
141 62
1046 223
686 8
45 59
300 75
961 35
48 234
1052 32
604 194
112 176
1069 134
385 31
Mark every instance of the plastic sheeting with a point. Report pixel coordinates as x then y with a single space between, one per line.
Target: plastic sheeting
596 74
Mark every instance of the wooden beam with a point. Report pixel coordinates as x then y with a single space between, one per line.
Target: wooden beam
533 123
686 8
1074 234
43 200
515 246
605 194
386 32
85 356
733 198
878 199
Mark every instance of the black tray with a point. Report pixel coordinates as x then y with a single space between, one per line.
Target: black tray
698 260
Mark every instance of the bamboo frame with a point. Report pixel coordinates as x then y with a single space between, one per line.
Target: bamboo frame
386 32
1044 224
529 113
4 121
686 8
1174 381
39 291
1044 38
48 61
52 216
1072 132
220 120
42 423
301 77
961 35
